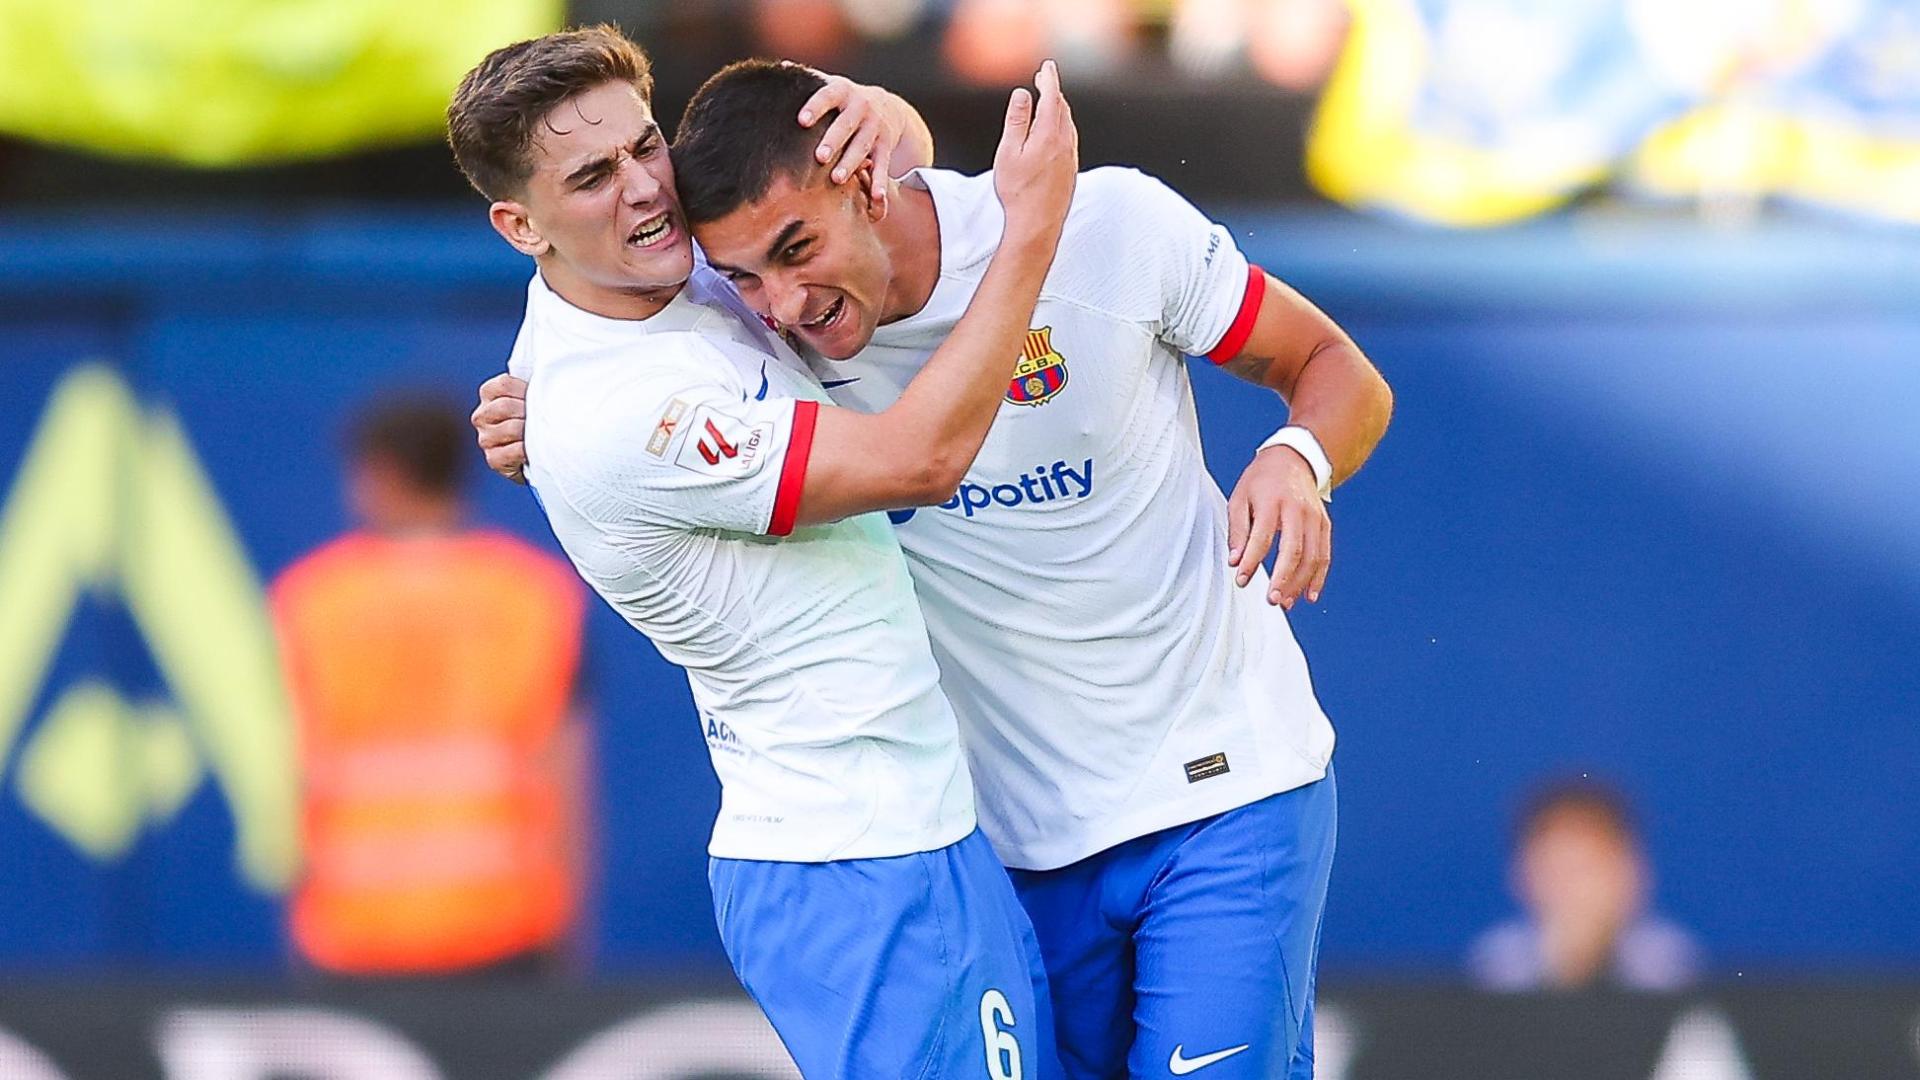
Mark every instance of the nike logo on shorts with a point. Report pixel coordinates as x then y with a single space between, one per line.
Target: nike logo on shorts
1181 1066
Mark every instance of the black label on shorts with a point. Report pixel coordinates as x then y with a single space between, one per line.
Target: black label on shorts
1211 765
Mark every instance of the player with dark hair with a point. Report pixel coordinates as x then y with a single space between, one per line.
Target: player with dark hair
690 466
1150 757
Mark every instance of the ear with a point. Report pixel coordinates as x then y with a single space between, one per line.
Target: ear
509 218
877 201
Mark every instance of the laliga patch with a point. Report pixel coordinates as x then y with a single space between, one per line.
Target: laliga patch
663 431
720 444
1211 765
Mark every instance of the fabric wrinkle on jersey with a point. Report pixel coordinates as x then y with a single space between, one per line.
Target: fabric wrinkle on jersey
1111 679
659 450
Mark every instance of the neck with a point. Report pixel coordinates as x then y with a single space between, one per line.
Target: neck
911 234
418 517
635 303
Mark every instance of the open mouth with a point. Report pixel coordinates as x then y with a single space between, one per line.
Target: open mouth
651 231
827 319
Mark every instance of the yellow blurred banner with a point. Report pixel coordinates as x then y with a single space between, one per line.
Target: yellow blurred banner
1480 112
234 82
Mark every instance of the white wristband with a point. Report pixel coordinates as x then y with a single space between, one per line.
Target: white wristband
1302 442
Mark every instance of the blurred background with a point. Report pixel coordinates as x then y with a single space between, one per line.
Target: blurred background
1620 638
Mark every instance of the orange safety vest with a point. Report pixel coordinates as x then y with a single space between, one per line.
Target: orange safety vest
430 677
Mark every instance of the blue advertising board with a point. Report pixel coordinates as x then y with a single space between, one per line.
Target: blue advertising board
1646 511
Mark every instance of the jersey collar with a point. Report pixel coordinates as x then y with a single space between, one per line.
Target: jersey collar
683 312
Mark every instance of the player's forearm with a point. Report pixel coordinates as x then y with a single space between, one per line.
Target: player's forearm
1344 401
949 406
1328 384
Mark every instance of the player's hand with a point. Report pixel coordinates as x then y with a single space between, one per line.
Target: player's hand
501 423
1038 159
868 129
1277 493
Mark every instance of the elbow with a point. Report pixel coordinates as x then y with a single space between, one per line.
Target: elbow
1383 401
934 481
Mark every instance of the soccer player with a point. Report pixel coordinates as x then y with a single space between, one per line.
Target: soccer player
1149 753
698 482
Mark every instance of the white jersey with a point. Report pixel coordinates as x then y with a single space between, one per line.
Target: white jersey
1110 678
669 455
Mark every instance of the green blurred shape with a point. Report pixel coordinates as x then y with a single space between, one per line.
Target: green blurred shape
233 82
98 769
110 497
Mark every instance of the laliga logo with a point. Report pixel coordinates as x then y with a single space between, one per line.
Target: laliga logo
111 500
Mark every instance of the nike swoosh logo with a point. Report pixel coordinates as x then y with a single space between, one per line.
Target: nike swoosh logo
1181 1066
831 383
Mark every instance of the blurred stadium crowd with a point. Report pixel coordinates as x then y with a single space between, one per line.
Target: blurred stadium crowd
1462 112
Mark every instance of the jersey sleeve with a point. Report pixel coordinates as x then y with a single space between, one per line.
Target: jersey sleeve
1205 293
671 448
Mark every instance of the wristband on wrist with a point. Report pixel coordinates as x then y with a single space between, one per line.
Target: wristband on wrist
1302 442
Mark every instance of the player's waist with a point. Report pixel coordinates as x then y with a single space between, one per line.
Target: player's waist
868 804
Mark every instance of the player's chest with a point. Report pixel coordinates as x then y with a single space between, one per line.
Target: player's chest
1070 393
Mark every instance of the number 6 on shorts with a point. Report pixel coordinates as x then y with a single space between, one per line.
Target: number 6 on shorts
1003 1050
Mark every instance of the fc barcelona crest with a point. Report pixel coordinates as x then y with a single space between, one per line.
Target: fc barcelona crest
1041 372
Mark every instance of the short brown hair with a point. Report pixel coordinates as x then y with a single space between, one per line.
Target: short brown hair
492 118
1585 798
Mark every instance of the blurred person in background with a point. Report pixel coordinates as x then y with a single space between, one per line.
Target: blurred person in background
1290 43
1581 875
443 778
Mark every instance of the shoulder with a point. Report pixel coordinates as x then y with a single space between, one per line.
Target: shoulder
314 569
522 565
1658 954
971 217
1110 190
601 419
1505 957
596 391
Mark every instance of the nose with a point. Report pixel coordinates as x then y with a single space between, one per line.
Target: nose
786 300
637 184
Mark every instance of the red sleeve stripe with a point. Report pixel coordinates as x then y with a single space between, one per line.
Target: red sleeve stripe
1242 328
793 474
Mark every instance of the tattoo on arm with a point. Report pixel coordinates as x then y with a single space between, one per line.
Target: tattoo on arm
1253 369
1261 370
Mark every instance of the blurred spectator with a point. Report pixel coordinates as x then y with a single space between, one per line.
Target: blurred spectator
1290 43
996 42
1582 878
811 31
431 667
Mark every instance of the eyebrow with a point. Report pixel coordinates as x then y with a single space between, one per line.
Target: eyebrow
787 236
605 161
773 250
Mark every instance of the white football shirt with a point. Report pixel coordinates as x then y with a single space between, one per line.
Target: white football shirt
1110 679
669 454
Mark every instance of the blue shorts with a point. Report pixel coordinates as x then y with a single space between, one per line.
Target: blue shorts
1192 949
918 967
